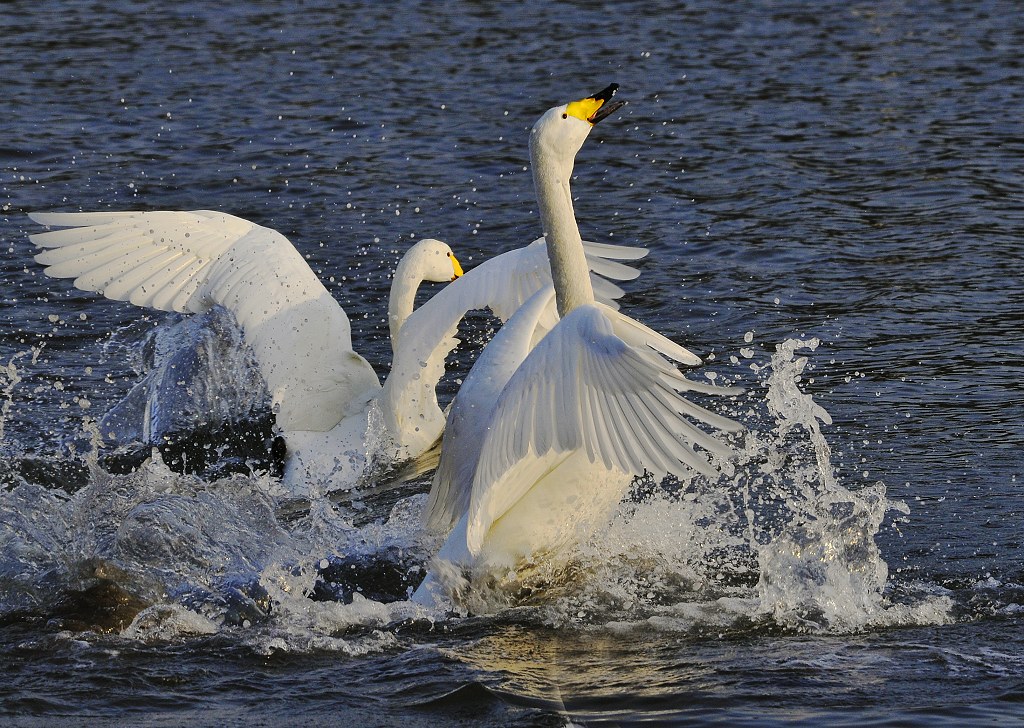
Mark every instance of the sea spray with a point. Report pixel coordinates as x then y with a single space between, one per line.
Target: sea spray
200 398
32 541
10 378
780 542
822 569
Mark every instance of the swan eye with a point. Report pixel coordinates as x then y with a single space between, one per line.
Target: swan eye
565 116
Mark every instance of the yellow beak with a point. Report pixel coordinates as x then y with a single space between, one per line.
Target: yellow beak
456 268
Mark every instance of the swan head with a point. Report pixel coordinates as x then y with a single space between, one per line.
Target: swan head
434 261
560 132
428 260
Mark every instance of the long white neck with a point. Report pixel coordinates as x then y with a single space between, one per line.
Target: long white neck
569 270
404 285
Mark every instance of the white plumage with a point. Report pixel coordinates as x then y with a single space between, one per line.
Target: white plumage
563 408
324 393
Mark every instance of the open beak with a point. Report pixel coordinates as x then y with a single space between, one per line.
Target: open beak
609 106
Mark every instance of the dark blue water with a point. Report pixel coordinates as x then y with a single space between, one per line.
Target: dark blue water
846 172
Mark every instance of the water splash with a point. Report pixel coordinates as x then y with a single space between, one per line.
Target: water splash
201 399
157 554
777 543
793 408
10 378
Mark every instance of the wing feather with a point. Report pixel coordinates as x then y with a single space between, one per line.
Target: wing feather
163 283
100 248
80 219
606 290
137 261
583 387
98 235
635 333
614 252
77 260
177 296
610 269
190 261
104 247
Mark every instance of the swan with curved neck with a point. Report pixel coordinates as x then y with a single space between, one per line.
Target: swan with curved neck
333 412
425 261
569 416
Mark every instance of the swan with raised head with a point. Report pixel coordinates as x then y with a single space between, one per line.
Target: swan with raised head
568 402
334 415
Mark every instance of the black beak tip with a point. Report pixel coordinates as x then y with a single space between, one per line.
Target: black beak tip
606 93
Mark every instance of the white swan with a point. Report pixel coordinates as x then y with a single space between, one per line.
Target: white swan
327 398
568 421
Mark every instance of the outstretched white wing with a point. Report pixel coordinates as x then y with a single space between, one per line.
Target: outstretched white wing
585 388
190 261
152 259
501 284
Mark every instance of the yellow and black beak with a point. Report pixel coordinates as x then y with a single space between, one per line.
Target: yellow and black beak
456 268
594 108
607 107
